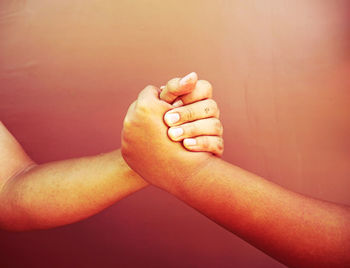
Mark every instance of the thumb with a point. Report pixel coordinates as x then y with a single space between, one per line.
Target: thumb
178 87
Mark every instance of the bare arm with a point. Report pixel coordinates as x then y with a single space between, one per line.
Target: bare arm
58 193
294 229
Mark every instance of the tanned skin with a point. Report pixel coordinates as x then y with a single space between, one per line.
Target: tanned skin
43 196
296 230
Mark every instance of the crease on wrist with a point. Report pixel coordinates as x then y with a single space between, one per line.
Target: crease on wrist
179 187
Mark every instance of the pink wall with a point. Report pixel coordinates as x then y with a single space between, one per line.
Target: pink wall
280 70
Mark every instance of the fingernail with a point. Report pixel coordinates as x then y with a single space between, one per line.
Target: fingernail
178 103
171 118
175 132
162 87
190 142
190 78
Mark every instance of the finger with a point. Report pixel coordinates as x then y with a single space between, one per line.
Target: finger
149 92
211 144
147 98
208 126
178 86
203 90
148 102
178 103
191 112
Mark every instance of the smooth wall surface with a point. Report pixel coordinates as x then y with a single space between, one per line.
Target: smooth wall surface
280 69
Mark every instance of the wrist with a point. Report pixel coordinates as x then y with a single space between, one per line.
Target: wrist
121 169
194 180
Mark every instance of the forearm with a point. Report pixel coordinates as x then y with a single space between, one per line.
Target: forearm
64 192
294 229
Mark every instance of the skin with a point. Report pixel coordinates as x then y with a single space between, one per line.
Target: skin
58 193
296 230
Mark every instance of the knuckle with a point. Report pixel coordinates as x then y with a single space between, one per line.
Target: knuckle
213 104
207 87
221 145
205 143
141 93
202 91
142 106
210 107
150 87
191 129
172 85
166 96
218 127
146 92
127 131
219 153
188 114
126 124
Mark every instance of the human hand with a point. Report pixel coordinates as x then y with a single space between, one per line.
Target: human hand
147 149
197 124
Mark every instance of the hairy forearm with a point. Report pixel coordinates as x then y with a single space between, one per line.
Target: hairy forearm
64 192
296 230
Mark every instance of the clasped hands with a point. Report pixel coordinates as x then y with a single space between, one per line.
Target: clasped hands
165 126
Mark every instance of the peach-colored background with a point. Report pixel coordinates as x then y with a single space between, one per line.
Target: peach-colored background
280 70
